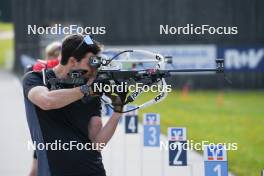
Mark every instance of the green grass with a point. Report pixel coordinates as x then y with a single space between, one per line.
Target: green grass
6 26
6 45
219 117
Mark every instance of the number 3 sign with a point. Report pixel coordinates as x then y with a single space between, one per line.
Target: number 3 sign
151 124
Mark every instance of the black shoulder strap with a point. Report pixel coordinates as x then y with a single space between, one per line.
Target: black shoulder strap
45 75
39 74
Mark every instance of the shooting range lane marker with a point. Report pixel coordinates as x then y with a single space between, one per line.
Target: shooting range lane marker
132 138
151 145
215 160
177 138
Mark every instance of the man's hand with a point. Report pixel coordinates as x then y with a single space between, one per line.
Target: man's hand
118 100
117 103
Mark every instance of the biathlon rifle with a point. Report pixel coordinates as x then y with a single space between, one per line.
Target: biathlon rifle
113 71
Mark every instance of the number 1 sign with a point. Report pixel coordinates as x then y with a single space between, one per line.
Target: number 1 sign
215 160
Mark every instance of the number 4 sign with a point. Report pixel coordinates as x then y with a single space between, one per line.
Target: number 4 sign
131 120
131 124
151 124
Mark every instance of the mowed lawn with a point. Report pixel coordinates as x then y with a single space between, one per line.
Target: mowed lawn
219 117
6 45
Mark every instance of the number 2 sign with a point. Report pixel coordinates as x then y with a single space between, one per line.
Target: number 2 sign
177 146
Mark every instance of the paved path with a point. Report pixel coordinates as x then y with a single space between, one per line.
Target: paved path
15 159
4 35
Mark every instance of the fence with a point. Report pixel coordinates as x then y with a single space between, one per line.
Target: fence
137 23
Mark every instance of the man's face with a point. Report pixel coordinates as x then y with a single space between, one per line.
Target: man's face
84 64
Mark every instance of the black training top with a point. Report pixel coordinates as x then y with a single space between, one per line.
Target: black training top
62 126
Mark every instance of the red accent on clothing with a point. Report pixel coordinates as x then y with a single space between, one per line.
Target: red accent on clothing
40 64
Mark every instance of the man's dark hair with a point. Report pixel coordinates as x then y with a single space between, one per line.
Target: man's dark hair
71 46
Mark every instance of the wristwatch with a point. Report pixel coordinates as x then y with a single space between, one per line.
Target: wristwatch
85 89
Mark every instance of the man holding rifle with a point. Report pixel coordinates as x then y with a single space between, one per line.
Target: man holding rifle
62 118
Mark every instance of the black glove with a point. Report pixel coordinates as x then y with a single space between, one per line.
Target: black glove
118 100
117 103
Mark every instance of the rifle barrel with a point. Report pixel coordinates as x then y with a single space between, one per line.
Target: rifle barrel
192 70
